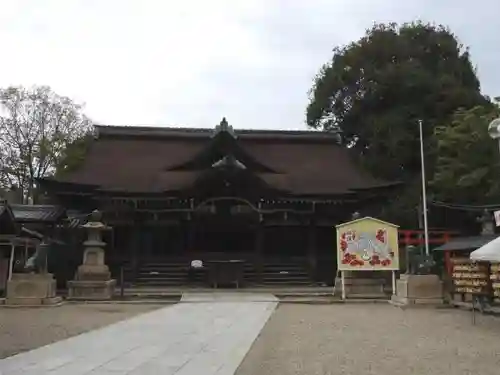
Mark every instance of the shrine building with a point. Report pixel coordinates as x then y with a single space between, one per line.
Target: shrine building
172 195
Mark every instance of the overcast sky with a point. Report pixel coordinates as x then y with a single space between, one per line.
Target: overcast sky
191 62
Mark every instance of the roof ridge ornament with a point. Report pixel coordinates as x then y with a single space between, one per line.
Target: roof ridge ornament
224 127
229 161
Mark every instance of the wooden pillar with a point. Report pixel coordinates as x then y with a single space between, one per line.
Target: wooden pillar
11 261
191 230
447 255
259 241
191 233
135 242
311 249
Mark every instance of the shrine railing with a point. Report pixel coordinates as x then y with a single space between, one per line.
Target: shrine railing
436 238
416 237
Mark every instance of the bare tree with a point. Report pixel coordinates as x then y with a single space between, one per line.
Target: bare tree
36 126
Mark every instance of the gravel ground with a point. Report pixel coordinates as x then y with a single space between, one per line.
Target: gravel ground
374 340
23 329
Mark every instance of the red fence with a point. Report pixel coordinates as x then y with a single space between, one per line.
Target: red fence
416 237
436 237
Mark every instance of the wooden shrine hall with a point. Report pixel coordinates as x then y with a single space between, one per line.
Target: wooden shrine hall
172 195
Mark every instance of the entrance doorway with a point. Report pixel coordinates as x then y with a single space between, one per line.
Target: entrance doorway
225 228
230 238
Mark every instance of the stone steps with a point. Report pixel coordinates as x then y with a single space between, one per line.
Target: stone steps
176 273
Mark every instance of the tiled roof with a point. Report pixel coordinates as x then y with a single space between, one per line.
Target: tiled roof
466 243
140 159
162 131
38 213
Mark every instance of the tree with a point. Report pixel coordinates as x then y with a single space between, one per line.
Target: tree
36 126
73 155
468 160
374 90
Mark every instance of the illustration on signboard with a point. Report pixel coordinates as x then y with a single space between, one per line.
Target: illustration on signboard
368 244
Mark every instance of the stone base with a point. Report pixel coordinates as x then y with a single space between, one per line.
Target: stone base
462 297
93 272
418 290
373 287
91 289
27 301
416 302
30 289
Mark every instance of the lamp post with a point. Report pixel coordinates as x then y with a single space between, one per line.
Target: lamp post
494 130
424 189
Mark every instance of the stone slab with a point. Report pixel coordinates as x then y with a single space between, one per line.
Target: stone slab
227 297
208 338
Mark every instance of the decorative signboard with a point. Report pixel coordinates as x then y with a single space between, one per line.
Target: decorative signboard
367 244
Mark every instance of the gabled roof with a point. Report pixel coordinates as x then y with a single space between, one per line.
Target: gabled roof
367 218
223 144
142 159
38 213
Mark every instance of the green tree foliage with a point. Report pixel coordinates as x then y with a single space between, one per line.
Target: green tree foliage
373 91
468 161
73 155
36 126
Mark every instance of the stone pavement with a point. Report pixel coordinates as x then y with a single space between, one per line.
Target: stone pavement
200 335
227 297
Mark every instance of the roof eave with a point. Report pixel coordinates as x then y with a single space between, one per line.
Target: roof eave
185 132
59 183
380 186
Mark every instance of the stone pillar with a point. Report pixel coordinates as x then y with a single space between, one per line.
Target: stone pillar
93 279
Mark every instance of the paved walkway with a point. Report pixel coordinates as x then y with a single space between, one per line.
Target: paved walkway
198 336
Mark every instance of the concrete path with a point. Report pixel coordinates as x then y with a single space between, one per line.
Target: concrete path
190 338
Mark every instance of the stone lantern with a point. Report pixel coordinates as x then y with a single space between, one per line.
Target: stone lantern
487 223
93 279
